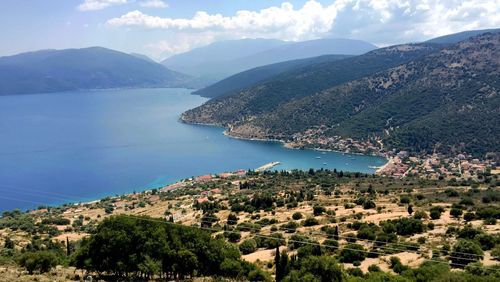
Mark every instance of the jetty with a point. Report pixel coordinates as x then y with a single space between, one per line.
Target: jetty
267 166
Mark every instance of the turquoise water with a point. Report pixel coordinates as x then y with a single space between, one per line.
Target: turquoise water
78 146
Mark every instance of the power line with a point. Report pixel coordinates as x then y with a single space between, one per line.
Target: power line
407 247
290 240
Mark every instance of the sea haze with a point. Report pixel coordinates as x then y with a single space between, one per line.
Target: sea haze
79 146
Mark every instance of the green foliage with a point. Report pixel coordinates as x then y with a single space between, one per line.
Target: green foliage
40 261
297 215
248 246
465 252
351 253
125 245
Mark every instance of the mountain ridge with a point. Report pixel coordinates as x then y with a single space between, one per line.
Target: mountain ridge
76 69
439 86
217 61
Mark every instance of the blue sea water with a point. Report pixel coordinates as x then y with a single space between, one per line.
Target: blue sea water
79 146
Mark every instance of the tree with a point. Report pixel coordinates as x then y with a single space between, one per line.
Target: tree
410 209
336 233
186 263
281 262
464 252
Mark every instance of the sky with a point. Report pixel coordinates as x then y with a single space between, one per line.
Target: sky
161 28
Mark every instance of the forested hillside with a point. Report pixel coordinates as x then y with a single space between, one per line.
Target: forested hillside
267 96
445 100
253 76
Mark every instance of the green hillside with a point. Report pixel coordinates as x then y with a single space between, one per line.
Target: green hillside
446 100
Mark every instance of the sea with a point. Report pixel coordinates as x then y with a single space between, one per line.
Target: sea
81 146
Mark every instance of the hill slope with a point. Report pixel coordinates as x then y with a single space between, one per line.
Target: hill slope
73 69
264 97
446 101
250 77
460 36
222 59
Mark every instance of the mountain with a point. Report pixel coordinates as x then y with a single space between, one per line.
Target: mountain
259 74
445 100
223 59
74 69
306 49
268 95
213 59
142 56
460 36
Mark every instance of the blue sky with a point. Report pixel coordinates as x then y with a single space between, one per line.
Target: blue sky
160 28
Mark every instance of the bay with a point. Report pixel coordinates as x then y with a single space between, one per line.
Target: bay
79 146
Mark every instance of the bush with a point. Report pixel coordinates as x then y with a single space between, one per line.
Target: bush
232 237
420 215
369 205
436 212
351 253
374 268
456 212
248 246
318 210
465 252
469 216
311 221
42 261
404 200
290 227
259 275
297 216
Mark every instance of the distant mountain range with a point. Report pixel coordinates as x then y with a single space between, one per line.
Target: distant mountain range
419 97
88 68
222 59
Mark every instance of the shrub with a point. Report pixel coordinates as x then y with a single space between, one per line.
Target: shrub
374 268
369 205
42 261
248 246
318 210
469 216
436 212
456 212
290 227
465 252
311 221
297 216
351 253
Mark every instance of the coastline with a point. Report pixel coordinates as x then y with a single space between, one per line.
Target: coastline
285 143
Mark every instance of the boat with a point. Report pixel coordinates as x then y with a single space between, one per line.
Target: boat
324 163
317 157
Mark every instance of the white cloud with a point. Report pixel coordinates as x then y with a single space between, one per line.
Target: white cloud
178 43
153 4
382 22
92 5
281 22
